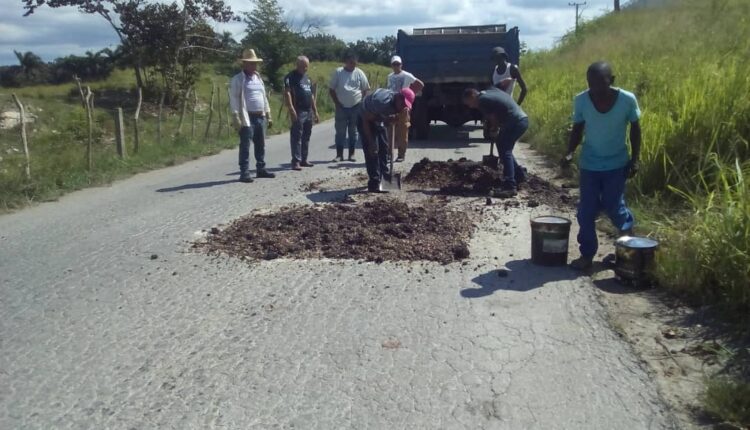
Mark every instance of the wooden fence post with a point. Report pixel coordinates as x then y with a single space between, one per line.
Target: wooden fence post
182 112
136 131
24 139
90 119
158 124
210 113
228 107
220 109
120 133
84 104
195 106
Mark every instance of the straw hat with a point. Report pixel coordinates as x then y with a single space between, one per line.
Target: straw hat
248 55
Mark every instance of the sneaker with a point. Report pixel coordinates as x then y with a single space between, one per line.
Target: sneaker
265 174
582 263
609 261
246 179
338 159
351 159
400 160
296 166
306 164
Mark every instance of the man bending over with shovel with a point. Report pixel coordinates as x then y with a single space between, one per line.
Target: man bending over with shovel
503 112
377 108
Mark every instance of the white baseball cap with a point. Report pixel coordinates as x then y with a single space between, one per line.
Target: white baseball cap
396 59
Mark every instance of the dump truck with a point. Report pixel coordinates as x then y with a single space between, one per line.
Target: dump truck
448 60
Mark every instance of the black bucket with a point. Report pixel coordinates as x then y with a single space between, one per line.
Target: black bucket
549 240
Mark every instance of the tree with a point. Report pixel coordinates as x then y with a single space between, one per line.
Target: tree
31 64
269 33
116 11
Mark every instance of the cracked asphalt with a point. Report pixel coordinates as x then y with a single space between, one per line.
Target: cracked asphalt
95 334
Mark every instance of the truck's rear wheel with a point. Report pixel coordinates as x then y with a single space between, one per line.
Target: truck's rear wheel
420 120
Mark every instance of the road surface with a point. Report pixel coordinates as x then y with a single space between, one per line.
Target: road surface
95 334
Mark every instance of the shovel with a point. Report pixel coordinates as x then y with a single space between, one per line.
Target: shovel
393 183
491 160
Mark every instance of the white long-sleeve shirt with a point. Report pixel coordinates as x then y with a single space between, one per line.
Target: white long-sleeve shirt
247 94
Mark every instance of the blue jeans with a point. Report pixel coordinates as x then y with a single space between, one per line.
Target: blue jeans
601 191
299 135
256 132
346 122
505 144
376 152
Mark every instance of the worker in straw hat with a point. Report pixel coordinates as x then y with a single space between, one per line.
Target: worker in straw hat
249 103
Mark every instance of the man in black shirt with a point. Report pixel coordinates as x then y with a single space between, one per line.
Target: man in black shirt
300 100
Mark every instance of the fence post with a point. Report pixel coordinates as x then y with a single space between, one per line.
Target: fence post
90 119
195 106
210 113
220 109
136 131
119 133
228 107
182 112
158 124
84 104
22 112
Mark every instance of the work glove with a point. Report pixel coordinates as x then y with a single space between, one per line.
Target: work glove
237 122
631 169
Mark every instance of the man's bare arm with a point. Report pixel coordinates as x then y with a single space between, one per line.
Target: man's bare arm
515 73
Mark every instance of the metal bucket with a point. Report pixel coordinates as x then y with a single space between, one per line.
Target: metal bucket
634 258
549 240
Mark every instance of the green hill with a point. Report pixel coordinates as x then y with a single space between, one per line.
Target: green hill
58 137
687 61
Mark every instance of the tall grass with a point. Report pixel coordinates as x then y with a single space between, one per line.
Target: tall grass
57 140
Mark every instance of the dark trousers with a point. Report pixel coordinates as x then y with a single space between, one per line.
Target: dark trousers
299 136
376 150
601 192
505 144
256 132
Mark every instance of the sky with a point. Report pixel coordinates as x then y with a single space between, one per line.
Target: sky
52 33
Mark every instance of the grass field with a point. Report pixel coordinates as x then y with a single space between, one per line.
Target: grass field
687 62
58 137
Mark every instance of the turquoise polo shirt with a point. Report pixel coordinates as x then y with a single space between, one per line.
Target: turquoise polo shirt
604 146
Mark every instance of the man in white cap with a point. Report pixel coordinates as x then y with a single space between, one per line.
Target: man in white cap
398 80
251 109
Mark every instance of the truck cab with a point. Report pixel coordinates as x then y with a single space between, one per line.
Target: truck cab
448 60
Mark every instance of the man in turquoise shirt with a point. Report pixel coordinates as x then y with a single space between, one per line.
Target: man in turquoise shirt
603 113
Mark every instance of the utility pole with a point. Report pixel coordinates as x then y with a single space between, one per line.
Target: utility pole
578 15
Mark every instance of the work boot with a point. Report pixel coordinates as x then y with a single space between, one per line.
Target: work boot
351 156
374 187
263 173
245 177
521 175
305 163
296 166
582 263
400 159
609 261
507 191
339 156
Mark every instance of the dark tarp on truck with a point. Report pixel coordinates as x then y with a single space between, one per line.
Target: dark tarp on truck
448 60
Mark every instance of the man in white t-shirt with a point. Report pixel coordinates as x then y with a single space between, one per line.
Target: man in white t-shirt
347 88
398 80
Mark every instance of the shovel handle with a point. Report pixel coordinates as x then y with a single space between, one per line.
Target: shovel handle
492 148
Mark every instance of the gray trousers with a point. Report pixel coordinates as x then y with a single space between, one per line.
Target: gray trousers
299 136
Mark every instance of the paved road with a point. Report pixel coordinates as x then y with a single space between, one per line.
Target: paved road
95 334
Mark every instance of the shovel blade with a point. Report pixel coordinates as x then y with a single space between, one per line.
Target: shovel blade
393 183
491 161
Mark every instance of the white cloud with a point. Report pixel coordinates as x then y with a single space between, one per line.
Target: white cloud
51 33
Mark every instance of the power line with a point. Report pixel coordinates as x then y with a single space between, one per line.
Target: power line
578 15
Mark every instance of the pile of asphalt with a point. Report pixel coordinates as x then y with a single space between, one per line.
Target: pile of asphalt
379 230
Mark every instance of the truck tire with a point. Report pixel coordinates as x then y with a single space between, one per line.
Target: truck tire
420 120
